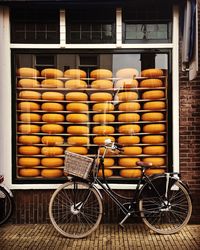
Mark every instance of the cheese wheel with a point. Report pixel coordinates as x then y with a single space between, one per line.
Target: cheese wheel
130 173
154 128
154 150
52 140
52 162
103 107
28 128
102 84
128 117
152 116
77 118
52 96
77 107
29 139
127 96
29 117
77 130
156 105
132 150
101 97
103 130
108 162
51 173
28 106
75 84
78 150
156 161
52 128
52 106
126 83
128 140
128 162
29 172
28 83
127 73
153 94
129 129
53 118
153 139
28 161
100 140
152 73
52 83
78 140
129 106
29 150
75 73
154 171
107 173
108 151
151 83
103 118
51 73
51 151
101 73
28 72
76 96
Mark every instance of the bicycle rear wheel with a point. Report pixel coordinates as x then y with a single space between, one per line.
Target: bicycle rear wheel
6 205
75 209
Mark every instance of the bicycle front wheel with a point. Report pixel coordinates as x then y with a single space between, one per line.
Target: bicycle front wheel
75 209
6 205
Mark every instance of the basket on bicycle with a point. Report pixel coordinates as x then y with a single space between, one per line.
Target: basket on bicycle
77 165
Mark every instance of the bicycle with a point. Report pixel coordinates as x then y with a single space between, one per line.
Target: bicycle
6 202
76 207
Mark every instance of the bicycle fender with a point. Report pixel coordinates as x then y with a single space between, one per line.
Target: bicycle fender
97 190
7 190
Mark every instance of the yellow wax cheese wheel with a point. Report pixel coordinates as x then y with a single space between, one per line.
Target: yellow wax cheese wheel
52 162
153 94
127 96
152 116
151 83
156 105
103 107
127 73
53 118
100 140
152 73
52 96
51 151
103 118
108 162
129 106
29 139
107 173
28 72
77 118
28 128
103 130
75 84
28 161
128 140
29 172
78 140
156 161
51 173
154 128
77 130
76 96
28 106
51 73
130 173
153 139
154 150
128 117
52 83
126 83
29 150
101 97
28 83
52 106
129 129
52 140
78 150
132 150
75 106
52 128
128 162
102 84
29 117
75 73
154 171
101 73
108 151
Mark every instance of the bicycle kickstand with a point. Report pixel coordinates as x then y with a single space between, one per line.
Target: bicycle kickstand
125 218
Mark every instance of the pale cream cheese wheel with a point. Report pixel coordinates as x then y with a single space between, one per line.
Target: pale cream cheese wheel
51 73
127 73
101 73
75 73
126 83
28 72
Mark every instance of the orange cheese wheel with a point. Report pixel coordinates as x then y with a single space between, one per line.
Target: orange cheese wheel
108 162
154 128
154 150
29 117
29 172
103 118
130 173
75 84
28 83
101 97
126 83
28 106
51 151
128 140
29 150
129 129
154 171
78 140
76 96
152 116
100 140
52 106
52 83
127 96
153 94
52 96
156 161
128 162
103 107
151 83
155 105
107 173
51 173
77 107
78 150
132 150
128 117
129 106
52 140
152 73
29 139
101 73
28 128
77 130
53 118
77 118
28 161
153 139
52 128
102 84
108 151
52 162
28 72
51 73
103 130
75 73
127 73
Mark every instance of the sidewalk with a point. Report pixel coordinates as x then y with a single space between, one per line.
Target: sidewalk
134 236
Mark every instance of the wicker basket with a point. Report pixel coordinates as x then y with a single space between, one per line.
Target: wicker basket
77 165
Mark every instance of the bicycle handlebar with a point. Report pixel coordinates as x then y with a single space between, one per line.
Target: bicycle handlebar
113 145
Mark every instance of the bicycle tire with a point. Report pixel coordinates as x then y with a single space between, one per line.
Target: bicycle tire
170 217
67 219
6 205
